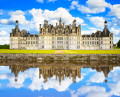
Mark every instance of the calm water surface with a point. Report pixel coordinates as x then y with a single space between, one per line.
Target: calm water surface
59 79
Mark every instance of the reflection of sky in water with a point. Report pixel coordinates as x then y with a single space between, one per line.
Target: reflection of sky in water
28 84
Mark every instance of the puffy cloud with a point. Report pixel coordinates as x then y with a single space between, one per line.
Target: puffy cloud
15 15
97 6
115 31
2 33
115 10
115 88
40 15
97 78
97 21
18 12
91 91
74 4
115 74
40 1
4 40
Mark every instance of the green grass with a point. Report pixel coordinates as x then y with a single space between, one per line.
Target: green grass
116 48
91 51
28 51
65 51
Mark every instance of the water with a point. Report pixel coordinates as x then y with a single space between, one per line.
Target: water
60 79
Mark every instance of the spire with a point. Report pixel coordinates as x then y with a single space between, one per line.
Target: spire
16 23
60 21
74 23
105 24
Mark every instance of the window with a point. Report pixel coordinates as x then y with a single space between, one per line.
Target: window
42 46
36 42
33 42
97 42
59 38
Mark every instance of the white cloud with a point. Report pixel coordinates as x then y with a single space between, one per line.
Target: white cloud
97 21
92 6
40 15
40 1
115 74
74 4
4 40
115 31
91 91
18 12
97 4
115 10
52 0
3 33
115 88
15 15
97 78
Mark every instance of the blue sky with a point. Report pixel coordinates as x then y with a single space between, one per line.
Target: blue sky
30 13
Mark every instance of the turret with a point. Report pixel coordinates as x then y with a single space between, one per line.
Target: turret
45 22
74 23
40 29
74 26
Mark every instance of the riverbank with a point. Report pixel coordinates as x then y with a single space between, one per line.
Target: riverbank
9 51
60 57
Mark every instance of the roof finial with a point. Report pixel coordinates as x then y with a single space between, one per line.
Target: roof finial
105 23
16 23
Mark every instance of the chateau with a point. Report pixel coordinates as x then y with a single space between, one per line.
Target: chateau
61 36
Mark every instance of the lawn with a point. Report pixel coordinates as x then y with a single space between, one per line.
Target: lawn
91 51
64 51
28 51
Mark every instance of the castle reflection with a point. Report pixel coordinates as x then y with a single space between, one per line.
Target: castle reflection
60 69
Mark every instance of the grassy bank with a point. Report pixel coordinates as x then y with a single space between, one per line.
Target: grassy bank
28 51
64 51
91 51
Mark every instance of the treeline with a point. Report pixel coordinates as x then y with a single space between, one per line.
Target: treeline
118 44
5 46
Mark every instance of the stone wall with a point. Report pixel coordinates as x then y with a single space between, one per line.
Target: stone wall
70 57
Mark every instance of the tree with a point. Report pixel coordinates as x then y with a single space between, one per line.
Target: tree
118 44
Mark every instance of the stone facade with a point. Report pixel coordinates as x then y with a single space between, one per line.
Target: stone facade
61 36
